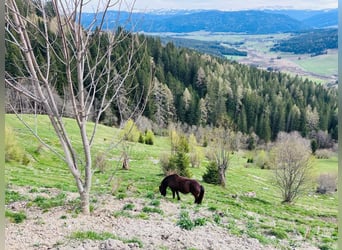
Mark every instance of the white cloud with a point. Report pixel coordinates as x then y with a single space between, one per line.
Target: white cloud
235 4
143 5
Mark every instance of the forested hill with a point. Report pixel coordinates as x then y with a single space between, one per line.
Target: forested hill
247 21
314 42
199 90
212 91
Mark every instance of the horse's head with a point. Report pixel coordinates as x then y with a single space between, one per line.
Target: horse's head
162 190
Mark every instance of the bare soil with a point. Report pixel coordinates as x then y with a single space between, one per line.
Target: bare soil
52 228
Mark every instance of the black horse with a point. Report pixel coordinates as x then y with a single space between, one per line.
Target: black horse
183 185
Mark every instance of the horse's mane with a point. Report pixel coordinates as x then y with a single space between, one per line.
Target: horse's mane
167 178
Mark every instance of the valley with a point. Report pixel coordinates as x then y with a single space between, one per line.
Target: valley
259 55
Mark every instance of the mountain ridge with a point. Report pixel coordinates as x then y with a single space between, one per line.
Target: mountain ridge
244 21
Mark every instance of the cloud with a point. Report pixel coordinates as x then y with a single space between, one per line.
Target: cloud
143 5
235 4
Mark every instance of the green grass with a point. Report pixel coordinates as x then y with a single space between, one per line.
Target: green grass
91 235
46 203
315 64
16 217
312 218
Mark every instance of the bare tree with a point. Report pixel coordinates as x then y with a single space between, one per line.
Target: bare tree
93 81
222 146
292 164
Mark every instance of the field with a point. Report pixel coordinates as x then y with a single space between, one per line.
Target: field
310 221
259 54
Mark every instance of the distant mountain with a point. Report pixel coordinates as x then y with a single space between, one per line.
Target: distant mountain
248 22
299 15
324 19
313 18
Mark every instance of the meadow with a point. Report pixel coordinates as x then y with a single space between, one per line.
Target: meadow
312 218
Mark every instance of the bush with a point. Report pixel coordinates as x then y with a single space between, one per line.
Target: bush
292 164
323 154
326 183
13 152
141 138
212 174
167 166
314 146
130 131
261 160
182 163
100 162
177 163
195 158
149 137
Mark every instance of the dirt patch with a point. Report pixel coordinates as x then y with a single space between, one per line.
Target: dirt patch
52 228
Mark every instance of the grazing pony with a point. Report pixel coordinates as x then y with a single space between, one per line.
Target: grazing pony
183 185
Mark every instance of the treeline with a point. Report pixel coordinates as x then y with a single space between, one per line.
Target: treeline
315 42
210 47
192 88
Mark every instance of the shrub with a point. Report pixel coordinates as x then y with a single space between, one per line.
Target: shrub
177 163
13 152
100 162
212 174
182 163
130 132
261 160
167 165
195 159
141 138
314 146
323 154
149 137
292 165
326 183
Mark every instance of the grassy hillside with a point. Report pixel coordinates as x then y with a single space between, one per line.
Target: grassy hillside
313 218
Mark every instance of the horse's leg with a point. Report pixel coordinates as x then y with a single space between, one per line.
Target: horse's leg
195 197
173 193
195 193
177 195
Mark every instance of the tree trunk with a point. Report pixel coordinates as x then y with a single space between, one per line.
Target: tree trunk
85 205
125 162
222 176
84 76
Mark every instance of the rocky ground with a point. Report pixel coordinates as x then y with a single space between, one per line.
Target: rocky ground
52 228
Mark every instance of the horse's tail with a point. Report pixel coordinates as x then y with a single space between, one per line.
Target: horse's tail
200 197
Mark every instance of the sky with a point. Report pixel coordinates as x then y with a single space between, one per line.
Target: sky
146 5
